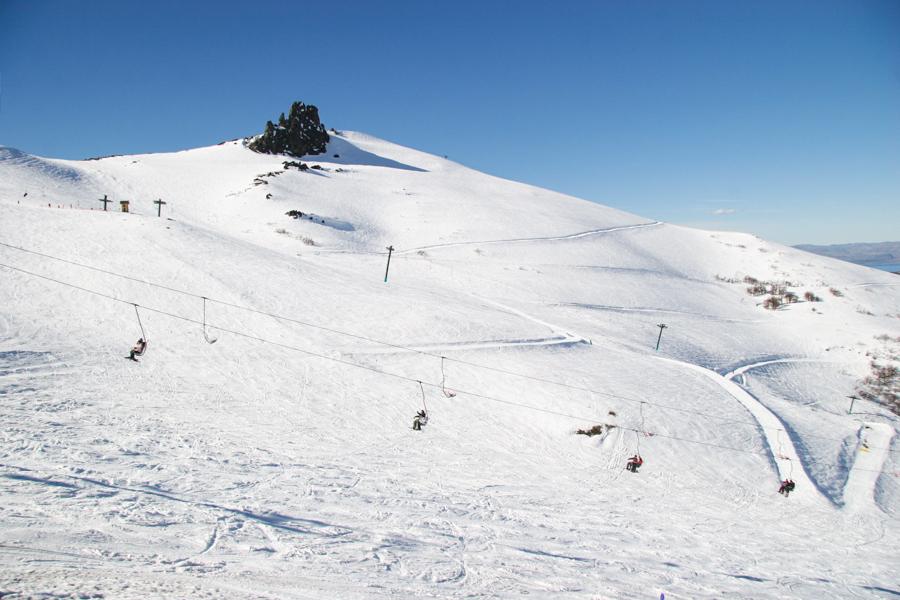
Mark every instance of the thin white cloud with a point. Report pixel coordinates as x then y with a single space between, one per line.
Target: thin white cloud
724 211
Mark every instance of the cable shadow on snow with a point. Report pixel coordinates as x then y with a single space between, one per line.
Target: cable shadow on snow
552 555
876 588
50 482
273 519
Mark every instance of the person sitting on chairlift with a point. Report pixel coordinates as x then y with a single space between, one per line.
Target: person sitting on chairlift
138 349
787 486
634 463
420 419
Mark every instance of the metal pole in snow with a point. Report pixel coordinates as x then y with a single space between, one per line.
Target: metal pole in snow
390 250
852 400
661 327
159 204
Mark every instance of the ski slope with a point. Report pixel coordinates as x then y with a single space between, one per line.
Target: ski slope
279 461
875 439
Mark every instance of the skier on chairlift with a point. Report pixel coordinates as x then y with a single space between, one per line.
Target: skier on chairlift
138 349
420 420
787 486
634 463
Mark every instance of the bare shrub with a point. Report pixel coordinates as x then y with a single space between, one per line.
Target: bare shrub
810 297
751 280
757 289
790 297
595 430
777 289
882 386
886 338
308 241
772 303
836 292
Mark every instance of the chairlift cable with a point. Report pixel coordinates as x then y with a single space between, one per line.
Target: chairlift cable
702 414
478 395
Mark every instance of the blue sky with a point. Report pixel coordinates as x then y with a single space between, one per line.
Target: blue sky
777 118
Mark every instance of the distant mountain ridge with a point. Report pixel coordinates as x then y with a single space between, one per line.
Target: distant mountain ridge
860 253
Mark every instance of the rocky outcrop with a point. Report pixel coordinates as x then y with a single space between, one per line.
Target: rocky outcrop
300 134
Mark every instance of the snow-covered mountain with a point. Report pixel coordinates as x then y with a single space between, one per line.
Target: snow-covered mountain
279 461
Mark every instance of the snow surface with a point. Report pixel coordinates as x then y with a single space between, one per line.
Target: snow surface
287 468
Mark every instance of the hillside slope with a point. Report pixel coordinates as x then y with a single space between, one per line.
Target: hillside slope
279 461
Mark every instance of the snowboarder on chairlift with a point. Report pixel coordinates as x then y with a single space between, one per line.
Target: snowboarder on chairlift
138 349
787 486
420 419
634 463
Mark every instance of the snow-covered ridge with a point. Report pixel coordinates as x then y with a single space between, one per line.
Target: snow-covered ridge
12 157
279 461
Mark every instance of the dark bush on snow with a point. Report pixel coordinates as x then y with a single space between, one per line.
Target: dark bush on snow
757 289
595 430
882 386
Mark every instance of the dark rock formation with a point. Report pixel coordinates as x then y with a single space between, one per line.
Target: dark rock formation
299 134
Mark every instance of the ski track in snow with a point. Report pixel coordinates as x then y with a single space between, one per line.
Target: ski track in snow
649 310
571 236
871 454
475 345
739 371
782 453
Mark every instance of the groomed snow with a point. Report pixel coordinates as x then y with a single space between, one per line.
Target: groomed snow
279 462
